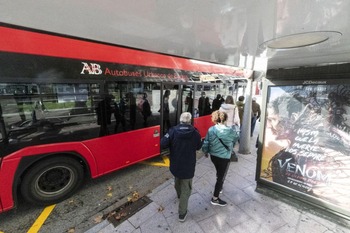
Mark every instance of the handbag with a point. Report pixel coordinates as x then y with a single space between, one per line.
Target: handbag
237 129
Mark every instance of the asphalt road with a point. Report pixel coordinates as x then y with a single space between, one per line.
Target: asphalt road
85 209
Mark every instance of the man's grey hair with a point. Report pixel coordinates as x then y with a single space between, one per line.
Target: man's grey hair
185 118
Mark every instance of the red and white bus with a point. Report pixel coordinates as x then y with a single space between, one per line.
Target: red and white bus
71 109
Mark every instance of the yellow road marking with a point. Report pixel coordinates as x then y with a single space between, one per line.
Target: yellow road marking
166 162
41 219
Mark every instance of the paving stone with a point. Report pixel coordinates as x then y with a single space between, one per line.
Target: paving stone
125 227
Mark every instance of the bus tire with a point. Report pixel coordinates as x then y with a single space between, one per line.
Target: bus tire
52 180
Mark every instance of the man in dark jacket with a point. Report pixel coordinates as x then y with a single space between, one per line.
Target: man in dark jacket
217 102
256 112
201 104
183 140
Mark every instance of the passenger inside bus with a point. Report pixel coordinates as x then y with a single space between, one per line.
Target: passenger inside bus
189 102
217 102
130 98
104 113
166 110
204 105
119 115
145 109
201 104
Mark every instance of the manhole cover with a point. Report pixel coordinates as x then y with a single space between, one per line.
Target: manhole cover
125 211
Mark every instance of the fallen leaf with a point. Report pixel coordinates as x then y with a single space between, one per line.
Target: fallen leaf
111 214
109 194
71 230
120 215
135 196
160 209
98 219
109 188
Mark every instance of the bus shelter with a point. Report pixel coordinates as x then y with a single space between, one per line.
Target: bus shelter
304 142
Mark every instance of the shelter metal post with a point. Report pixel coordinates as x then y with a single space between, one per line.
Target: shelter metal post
244 144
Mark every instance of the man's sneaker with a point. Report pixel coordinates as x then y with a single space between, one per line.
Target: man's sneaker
182 217
218 202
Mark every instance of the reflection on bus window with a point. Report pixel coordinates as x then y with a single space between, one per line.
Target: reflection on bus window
145 109
104 114
38 114
134 105
3 135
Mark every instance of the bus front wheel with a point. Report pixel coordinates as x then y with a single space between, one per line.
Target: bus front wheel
52 180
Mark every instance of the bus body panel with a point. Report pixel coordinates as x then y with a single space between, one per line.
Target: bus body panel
135 146
203 124
98 154
7 176
15 40
120 150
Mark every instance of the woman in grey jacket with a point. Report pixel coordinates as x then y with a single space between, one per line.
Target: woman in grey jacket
218 143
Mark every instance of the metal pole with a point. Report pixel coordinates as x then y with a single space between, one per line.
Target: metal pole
244 141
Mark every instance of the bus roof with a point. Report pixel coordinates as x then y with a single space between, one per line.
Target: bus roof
254 34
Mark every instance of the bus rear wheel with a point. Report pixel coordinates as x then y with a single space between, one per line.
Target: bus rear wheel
52 180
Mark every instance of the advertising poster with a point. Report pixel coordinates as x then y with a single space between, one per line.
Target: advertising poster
307 140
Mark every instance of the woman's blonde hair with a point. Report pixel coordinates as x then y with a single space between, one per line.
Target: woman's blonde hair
229 100
218 117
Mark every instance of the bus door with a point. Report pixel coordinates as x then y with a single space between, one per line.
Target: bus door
204 95
176 99
131 125
168 106
187 99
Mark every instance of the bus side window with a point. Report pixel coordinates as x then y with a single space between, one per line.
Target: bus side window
133 106
2 126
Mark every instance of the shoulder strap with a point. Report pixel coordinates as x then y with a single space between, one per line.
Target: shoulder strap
226 147
223 143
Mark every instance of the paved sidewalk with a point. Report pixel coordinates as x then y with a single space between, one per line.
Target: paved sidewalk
248 211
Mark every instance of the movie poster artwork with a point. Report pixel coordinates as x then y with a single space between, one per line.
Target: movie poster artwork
307 141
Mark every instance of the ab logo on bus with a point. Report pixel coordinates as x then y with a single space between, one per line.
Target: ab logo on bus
93 68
